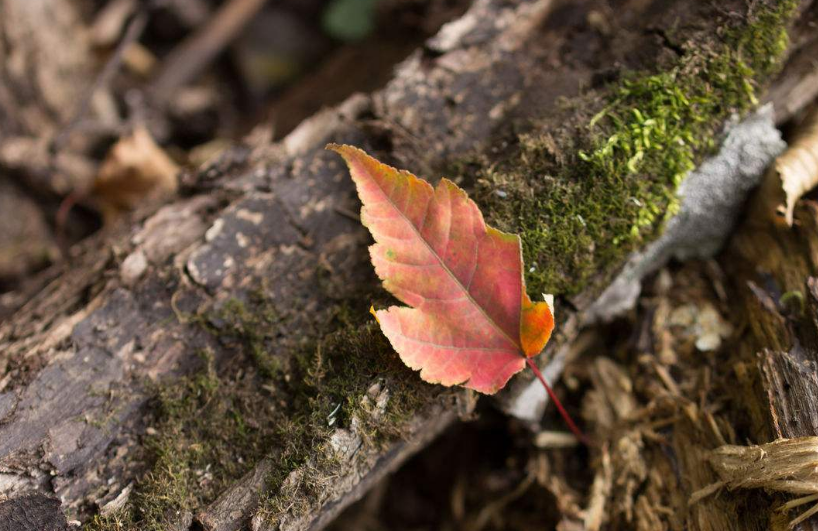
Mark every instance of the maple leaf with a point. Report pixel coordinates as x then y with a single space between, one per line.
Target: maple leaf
470 321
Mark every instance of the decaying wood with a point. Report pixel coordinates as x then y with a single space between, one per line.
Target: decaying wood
776 266
77 358
776 371
798 84
232 509
700 403
34 512
784 465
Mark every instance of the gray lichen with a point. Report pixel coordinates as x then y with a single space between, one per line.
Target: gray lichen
711 199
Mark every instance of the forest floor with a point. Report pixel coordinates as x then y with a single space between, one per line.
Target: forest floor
660 364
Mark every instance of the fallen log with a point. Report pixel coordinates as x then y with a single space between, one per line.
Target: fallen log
216 353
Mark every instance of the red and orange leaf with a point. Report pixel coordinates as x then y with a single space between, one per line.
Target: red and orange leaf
470 321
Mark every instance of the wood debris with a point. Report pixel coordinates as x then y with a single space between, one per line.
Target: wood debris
786 466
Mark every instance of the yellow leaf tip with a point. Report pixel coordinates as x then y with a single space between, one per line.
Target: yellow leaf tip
340 148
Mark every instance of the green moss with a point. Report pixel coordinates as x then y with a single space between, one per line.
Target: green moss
341 378
211 429
764 40
793 302
254 328
208 432
341 368
586 199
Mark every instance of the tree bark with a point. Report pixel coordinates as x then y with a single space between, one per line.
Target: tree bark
79 362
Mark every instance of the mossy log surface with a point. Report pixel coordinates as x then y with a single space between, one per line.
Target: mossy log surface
212 364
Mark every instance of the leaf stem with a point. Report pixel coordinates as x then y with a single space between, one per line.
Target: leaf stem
566 417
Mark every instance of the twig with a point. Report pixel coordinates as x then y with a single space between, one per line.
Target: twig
496 507
132 33
554 439
190 12
198 50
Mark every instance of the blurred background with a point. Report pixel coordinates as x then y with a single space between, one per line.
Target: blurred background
138 90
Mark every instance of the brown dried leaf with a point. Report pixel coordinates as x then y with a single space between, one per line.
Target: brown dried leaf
794 173
135 171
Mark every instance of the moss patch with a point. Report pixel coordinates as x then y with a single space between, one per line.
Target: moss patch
254 328
341 379
586 197
210 429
